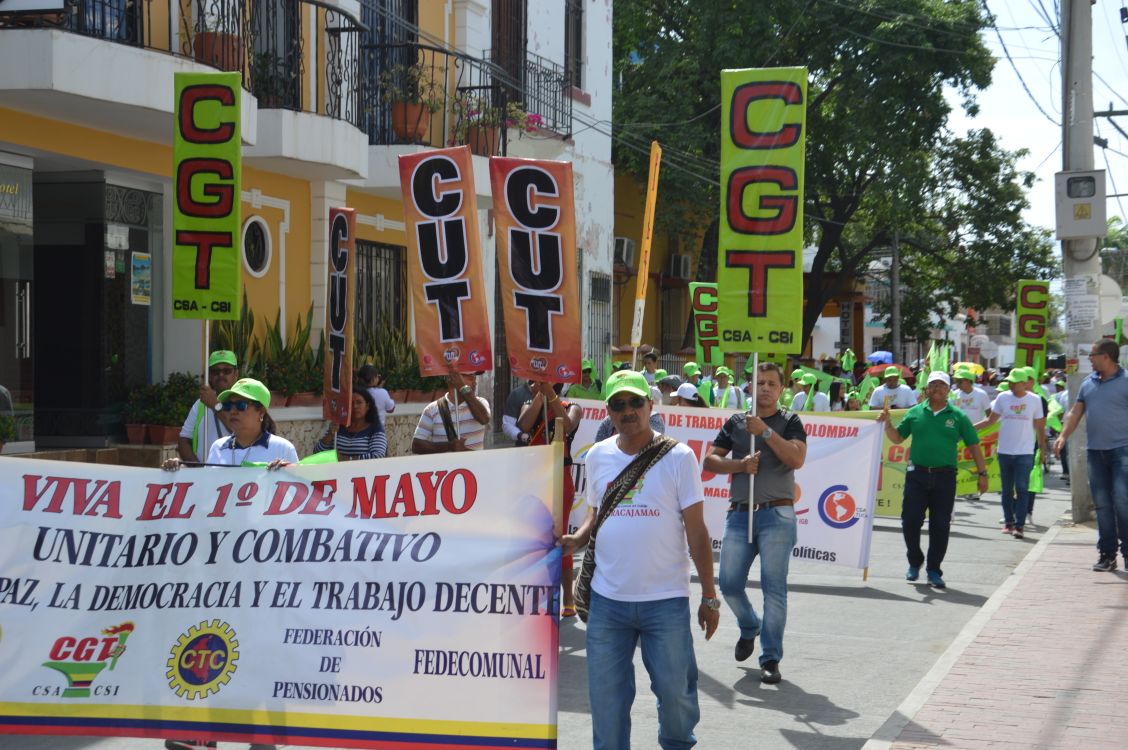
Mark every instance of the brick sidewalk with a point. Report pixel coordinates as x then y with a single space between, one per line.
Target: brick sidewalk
1049 669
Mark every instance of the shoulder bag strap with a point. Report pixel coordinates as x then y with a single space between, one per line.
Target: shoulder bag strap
659 446
448 423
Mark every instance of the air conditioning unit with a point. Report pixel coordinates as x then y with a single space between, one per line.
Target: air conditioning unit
624 252
680 267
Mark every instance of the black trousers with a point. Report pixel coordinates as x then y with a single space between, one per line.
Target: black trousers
935 493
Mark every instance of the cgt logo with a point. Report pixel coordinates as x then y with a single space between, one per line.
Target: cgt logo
81 660
837 507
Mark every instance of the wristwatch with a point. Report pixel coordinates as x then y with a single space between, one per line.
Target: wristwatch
767 433
714 603
465 390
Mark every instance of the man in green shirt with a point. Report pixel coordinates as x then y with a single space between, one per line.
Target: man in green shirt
936 428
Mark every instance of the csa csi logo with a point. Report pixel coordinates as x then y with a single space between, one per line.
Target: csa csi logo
837 507
203 660
81 660
477 358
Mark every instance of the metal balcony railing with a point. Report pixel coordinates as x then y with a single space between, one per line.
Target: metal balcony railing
265 40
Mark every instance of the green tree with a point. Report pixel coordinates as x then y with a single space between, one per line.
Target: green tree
880 159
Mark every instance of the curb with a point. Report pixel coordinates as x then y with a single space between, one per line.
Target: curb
888 732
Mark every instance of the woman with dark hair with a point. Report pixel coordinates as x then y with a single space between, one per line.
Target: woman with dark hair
363 437
688 395
837 397
252 439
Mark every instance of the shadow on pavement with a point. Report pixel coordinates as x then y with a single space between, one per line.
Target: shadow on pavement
806 708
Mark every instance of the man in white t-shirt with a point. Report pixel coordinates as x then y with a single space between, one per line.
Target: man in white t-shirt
1022 421
808 384
970 398
726 395
640 589
204 424
900 395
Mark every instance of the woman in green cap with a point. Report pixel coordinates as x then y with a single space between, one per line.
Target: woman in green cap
252 439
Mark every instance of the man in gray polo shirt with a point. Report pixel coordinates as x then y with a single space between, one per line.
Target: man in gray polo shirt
771 443
1103 402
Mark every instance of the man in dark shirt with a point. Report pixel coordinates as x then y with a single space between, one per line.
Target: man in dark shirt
780 447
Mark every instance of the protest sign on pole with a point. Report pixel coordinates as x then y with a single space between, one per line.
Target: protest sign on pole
760 244
340 310
359 604
445 261
1032 323
536 254
706 335
836 486
207 172
647 239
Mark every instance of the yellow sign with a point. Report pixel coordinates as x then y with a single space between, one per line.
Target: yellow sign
647 237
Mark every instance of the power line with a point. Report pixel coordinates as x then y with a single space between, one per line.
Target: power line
991 21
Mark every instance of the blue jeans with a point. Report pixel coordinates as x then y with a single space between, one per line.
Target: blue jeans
1108 479
1015 474
773 538
662 626
934 492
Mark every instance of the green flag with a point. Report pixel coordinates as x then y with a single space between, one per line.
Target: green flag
848 360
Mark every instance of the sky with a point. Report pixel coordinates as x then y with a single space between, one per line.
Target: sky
1013 114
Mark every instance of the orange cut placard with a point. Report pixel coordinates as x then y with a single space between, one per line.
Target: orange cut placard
340 308
444 264
536 254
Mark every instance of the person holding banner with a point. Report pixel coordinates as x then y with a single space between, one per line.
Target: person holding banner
809 389
460 416
769 442
535 431
899 395
640 585
203 421
936 428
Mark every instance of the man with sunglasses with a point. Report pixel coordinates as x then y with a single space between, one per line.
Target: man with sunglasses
1102 401
640 589
223 371
771 443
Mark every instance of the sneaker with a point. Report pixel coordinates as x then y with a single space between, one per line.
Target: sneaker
935 580
1002 521
769 673
1106 564
744 648
912 573
1018 533
1007 529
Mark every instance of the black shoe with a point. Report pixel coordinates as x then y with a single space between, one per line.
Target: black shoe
1106 564
769 673
744 648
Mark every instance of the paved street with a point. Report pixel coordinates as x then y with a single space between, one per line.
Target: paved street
884 660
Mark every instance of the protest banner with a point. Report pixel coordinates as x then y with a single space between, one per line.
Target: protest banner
340 308
647 239
207 152
759 249
452 328
836 486
1032 324
703 307
378 604
536 253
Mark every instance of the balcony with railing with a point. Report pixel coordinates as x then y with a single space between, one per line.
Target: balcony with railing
109 64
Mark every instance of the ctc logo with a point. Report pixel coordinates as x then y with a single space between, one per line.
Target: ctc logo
837 507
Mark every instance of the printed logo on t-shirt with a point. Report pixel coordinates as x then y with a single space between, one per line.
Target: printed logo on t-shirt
949 423
1018 408
631 509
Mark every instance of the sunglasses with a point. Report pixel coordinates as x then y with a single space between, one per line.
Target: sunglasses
635 402
236 405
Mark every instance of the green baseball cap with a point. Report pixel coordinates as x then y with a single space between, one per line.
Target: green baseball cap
659 374
1017 375
250 389
1028 372
628 381
964 374
891 372
690 369
222 357
587 364
808 378
796 374
722 370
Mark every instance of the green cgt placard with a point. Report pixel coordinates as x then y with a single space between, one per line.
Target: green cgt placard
760 248
206 216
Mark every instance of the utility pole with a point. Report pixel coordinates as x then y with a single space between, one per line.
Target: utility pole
1080 257
895 297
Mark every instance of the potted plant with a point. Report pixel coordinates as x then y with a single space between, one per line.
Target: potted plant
414 96
272 80
138 412
478 125
312 378
173 399
217 41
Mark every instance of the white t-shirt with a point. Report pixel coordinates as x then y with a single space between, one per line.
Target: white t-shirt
1016 422
975 404
901 397
214 426
269 447
384 402
729 398
641 551
799 403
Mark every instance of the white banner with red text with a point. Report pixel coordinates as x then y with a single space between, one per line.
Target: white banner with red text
836 488
379 604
